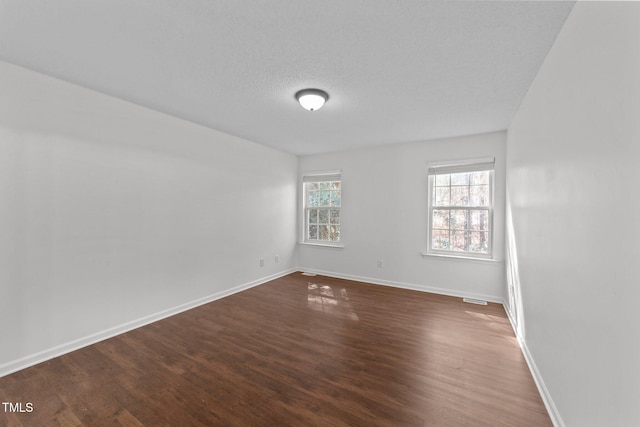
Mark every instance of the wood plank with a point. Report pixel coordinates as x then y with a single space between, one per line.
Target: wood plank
295 351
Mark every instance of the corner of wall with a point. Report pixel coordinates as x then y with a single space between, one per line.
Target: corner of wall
554 414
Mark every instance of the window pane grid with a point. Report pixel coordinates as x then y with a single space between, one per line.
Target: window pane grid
461 230
460 212
461 189
323 200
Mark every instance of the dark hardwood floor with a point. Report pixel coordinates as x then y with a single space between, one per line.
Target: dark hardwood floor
297 351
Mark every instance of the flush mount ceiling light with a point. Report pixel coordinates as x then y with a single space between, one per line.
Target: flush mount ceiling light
312 99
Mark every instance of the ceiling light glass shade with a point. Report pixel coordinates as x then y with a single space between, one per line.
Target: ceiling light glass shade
312 99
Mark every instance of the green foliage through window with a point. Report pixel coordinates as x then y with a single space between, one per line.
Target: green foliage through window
461 212
323 200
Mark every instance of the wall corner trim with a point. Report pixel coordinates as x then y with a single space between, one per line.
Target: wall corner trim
554 414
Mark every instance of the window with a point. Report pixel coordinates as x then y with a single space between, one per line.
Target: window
322 202
461 209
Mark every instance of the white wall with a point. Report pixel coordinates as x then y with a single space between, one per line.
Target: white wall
573 164
384 216
110 212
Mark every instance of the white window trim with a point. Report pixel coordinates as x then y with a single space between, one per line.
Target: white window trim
319 176
459 166
448 257
323 245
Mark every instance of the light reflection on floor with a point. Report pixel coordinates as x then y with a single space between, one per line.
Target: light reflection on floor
332 301
497 322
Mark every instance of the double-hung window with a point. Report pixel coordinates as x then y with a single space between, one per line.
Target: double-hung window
461 208
321 206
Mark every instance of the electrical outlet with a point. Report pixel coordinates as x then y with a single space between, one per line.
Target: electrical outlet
261 262
277 258
380 263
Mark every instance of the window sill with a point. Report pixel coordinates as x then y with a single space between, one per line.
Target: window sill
446 257
323 245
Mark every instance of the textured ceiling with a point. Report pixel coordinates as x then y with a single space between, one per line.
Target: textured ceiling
396 71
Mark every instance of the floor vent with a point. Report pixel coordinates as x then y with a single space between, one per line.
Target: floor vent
309 274
474 301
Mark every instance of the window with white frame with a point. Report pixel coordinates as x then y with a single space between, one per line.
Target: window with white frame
321 206
461 208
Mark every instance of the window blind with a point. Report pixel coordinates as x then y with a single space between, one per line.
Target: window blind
462 166
330 176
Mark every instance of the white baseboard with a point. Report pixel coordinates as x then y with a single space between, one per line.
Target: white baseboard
556 419
535 373
59 350
414 287
34 359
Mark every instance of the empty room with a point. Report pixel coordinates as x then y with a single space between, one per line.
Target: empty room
336 213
